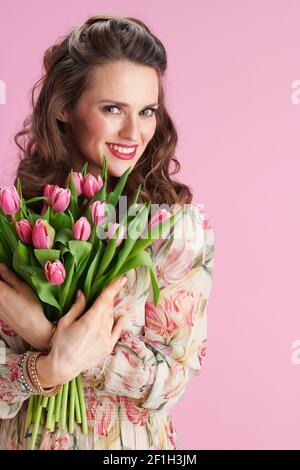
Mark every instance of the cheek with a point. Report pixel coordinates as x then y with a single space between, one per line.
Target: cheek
92 126
150 131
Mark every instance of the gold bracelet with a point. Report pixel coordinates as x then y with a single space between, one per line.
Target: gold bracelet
32 373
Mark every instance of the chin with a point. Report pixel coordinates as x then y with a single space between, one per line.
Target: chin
118 168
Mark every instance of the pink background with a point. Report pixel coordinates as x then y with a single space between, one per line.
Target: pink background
231 67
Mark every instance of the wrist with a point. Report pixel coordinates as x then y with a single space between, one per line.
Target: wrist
47 371
45 336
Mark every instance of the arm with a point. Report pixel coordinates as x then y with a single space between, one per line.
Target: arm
155 368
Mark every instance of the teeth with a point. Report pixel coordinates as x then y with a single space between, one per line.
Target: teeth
122 149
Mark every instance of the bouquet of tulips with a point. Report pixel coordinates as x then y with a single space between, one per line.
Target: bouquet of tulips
74 244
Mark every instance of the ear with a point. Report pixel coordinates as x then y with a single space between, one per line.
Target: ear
63 116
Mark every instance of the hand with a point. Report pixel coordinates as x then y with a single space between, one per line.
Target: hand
22 310
79 344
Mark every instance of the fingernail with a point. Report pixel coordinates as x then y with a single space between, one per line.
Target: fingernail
123 280
78 295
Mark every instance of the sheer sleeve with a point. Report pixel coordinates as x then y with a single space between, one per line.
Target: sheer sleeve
155 368
12 391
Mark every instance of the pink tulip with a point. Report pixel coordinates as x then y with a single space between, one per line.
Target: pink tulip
48 190
98 211
55 272
160 216
81 229
79 181
24 231
60 199
43 234
92 185
9 200
112 228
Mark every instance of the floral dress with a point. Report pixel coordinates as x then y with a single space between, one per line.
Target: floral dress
159 350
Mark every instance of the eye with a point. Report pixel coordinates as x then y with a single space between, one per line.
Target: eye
153 111
107 108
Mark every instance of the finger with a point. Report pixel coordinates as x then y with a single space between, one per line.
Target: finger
76 310
9 277
116 332
110 291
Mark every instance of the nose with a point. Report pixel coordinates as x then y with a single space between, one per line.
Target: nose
130 129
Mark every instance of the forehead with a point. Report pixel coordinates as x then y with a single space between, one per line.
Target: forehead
124 81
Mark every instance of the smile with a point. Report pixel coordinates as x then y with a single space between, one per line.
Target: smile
124 153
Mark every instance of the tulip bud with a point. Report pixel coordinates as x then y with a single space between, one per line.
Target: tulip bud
81 229
9 200
60 199
43 234
98 211
160 216
79 181
24 231
112 228
92 185
55 272
48 190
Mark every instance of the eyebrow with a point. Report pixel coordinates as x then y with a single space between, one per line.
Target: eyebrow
125 105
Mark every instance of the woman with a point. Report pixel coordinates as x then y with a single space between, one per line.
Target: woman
136 358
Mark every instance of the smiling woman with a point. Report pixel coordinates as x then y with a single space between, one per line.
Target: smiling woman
102 94
100 81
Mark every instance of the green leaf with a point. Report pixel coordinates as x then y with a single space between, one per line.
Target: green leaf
64 288
93 268
143 259
35 199
143 243
46 291
43 255
32 270
136 195
84 169
64 236
72 187
9 233
60 220
108 255
114 196
47 214
21 257
5 249
135 227
80 251
19 188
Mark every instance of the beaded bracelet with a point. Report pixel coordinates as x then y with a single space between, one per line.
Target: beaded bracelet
23 371
32 372
33 377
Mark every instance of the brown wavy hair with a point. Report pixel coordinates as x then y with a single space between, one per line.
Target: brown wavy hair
46 149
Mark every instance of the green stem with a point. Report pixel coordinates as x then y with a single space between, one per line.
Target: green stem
45 402
72 406
58 404
82 404
50 410
29 412
63 413
36 419
77 406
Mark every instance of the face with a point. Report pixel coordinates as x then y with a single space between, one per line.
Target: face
98 120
